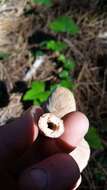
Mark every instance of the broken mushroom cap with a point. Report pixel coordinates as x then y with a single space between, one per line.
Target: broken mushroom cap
51 125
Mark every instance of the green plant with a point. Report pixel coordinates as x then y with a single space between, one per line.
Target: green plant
43 2
64 74
64 24
68 64
37 93
55 46
94 139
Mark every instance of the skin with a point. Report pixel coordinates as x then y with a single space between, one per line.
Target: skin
21 145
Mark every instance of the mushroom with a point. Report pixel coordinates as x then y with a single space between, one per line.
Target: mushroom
60 103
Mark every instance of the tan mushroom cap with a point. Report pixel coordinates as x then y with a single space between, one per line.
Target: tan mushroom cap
61 102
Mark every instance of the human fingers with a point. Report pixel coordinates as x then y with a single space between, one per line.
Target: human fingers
80 154
73 122
32 179
58 172
17 136
76 126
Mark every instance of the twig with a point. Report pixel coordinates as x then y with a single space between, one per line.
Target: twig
73 47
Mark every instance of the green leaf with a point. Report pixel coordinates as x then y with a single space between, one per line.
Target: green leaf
36 97
93 138
64 24
43 2
37 93
4 55
30 95
38 86
66 83
62 58
56 45
35 102
42 97
69 64
64 74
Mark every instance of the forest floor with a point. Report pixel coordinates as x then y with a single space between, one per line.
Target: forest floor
88 49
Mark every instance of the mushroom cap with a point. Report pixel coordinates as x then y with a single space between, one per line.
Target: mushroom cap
61 102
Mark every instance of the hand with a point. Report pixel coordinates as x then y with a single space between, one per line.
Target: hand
23 149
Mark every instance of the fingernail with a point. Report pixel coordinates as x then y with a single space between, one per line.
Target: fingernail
35 179
76 125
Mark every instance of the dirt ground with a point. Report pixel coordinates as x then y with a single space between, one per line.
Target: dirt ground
89 50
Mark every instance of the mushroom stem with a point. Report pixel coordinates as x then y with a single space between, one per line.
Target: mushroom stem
51 125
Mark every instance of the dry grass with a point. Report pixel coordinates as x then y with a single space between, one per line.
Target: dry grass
13 110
